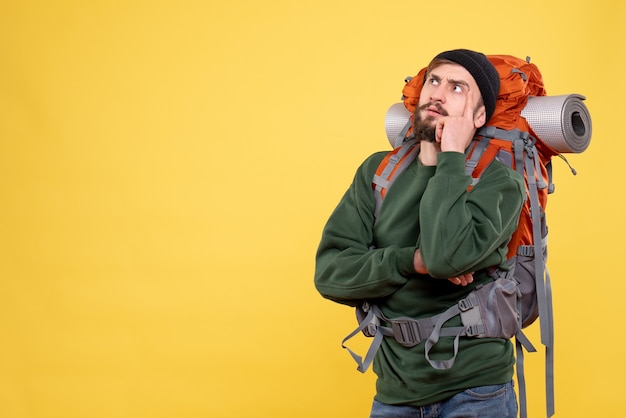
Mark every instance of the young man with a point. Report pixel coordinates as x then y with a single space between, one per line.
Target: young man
429 247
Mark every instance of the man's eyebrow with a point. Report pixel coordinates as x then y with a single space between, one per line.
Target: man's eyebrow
461 82
450 80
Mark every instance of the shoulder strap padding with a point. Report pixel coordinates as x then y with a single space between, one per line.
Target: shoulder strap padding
390 167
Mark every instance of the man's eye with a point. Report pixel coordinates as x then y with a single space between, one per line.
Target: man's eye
433 81
458 88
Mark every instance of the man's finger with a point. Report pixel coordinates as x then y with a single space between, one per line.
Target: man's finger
439 129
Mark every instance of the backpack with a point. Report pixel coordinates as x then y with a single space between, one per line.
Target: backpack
517 297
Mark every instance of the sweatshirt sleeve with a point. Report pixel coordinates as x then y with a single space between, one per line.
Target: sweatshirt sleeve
463 231
347 270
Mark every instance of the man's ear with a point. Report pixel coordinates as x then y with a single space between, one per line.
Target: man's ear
480 117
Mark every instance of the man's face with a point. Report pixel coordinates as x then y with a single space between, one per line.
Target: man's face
444 94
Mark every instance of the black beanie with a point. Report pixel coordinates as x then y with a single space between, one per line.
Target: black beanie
483 71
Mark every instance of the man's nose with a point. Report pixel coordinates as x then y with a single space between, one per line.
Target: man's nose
437 94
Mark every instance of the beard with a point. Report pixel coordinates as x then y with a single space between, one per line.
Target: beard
424 128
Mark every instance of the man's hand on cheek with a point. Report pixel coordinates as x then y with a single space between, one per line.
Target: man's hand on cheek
454 133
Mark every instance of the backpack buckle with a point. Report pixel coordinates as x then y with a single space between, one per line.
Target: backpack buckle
474 330
468 303
406 332
370 329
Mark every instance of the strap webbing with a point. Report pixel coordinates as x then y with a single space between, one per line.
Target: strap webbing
472 162
363 364
518 150
438 332
510 135
542 278
400 138
521 379
535 213
397 160
550 408
476 152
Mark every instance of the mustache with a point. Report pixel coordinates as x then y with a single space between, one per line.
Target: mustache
434 105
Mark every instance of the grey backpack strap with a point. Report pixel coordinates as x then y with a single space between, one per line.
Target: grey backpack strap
438 332
521 378
542 276
369 324
398 162
518 150
550 408
401 137
472 161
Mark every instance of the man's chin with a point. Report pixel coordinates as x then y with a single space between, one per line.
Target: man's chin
424 129
425 133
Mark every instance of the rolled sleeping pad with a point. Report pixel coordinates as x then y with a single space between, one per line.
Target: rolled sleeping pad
562 122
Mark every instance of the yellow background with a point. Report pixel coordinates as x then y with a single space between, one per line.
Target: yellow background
166 168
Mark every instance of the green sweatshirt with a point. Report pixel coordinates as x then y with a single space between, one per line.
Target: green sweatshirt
457 232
